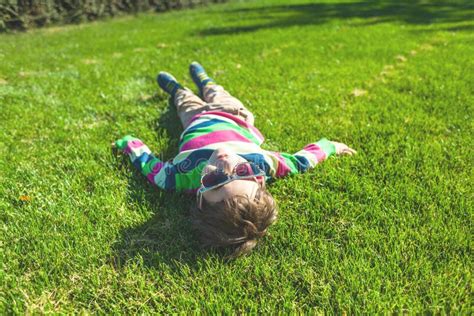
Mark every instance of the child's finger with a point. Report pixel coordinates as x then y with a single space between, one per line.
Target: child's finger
349 151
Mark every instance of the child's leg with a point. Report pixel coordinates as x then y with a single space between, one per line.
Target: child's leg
218 98
186 102
187 105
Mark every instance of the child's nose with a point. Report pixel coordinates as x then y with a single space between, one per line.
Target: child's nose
225 166
221 165
228 169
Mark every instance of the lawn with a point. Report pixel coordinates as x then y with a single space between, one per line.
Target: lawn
389 229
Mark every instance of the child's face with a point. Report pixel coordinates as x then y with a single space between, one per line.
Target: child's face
227 159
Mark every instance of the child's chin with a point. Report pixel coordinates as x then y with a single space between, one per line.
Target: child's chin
219 152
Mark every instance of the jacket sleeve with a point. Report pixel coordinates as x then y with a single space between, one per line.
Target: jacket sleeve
157 172
286 164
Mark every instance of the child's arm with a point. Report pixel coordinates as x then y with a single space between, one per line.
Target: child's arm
156 171
308 157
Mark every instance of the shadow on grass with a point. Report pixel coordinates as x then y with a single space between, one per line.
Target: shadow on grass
417 12
167 237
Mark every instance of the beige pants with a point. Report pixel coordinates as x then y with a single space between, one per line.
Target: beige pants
215 99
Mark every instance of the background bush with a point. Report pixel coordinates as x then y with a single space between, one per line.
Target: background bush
23 14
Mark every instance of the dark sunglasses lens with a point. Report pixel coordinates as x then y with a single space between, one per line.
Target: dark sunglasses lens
213 179
246 169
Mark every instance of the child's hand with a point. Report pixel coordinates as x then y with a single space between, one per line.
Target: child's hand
114 148
343 149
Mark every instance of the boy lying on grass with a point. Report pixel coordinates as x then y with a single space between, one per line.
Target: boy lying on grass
221 161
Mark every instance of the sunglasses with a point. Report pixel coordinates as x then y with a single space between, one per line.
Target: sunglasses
218 178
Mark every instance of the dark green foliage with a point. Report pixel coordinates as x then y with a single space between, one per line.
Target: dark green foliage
23 14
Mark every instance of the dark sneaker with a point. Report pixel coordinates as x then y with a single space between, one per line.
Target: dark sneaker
199 76
168 83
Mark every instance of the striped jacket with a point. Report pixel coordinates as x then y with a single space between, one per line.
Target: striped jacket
207 132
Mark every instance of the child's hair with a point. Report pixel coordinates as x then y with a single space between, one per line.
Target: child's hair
237 221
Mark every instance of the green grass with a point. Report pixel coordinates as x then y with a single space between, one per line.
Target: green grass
387 230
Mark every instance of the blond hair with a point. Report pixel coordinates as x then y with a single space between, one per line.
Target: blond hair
237 221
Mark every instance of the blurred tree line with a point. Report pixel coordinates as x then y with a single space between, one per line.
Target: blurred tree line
23 14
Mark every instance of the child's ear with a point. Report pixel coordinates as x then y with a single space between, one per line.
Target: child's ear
242 250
